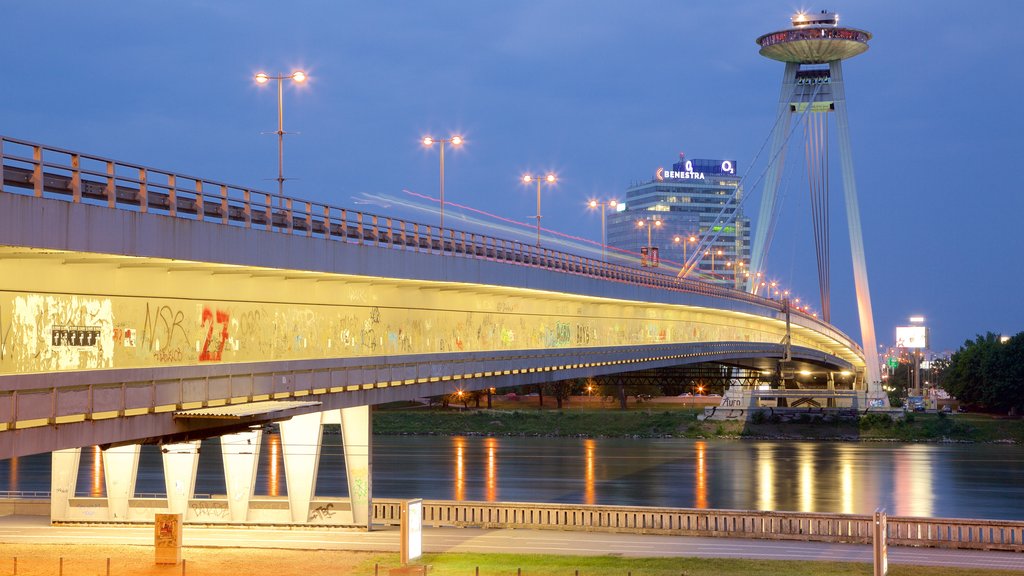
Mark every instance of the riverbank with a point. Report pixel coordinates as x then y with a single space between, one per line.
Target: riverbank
681 422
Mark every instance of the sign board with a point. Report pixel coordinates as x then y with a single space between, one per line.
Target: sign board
412 530
893 363
649 257
911 337
880 544
167 538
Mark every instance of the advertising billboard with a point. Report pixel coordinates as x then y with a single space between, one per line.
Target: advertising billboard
911 337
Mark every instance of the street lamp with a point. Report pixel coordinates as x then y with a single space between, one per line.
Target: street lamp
262 78
454 141
712 252
604 206
655 223
679 240
550 179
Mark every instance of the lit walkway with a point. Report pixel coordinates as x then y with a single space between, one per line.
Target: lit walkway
36 530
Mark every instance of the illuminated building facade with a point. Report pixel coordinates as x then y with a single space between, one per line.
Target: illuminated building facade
693 206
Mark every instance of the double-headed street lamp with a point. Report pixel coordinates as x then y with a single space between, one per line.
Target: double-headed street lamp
654 223
550 179
684 240
262 78
604 206
454 141
712 252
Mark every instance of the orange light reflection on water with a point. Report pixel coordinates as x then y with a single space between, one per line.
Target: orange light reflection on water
460 467
914 491
701 485
589 495
273 475
97 472
806 464
765 477
13 471
846 457
492 469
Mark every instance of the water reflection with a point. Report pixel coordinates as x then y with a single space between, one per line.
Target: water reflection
805 461
589 493
12 469
96 488
845 480
980 481
492 471
701 485
274 474
765 477
460 468
914 481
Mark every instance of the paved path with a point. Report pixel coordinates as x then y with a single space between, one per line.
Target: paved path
36 530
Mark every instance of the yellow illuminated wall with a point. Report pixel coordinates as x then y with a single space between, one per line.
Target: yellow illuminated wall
147 317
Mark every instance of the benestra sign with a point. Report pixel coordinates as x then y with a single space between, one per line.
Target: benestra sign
696 169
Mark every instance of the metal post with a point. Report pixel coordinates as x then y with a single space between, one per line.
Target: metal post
442 184
880 546
280 135
538 212
604 239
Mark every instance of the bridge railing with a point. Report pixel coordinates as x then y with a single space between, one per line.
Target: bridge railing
57 173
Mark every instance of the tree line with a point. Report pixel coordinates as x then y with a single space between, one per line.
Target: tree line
988 371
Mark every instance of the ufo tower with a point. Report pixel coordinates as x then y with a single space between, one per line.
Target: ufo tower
813 49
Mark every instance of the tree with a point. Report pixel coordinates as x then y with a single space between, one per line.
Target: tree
989 372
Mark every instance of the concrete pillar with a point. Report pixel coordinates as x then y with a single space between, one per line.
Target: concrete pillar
240 453
300 444
63 481
356 437
180 464
120 469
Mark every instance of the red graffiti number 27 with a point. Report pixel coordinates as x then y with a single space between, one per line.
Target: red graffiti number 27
222 318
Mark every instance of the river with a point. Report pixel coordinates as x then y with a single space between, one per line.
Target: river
938 480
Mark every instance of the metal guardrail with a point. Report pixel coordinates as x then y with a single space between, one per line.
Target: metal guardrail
24 494
951 533
81 178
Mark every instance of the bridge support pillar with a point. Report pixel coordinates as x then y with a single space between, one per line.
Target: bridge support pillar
120 469
63 480
356 436
180 464
241 455
301 438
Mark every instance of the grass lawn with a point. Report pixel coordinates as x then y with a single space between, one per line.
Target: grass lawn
549 565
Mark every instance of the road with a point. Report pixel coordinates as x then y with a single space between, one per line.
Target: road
36 530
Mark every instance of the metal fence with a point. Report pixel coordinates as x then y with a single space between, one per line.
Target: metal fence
809 527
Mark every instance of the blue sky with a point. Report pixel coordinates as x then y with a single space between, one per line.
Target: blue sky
602 92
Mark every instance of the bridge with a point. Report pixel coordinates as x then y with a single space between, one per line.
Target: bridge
139 305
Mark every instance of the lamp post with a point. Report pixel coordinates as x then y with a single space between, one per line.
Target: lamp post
262 78
712 252
550 179
454 141
679 240
604 206
654 223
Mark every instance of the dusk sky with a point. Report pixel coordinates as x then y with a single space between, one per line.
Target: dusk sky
601 92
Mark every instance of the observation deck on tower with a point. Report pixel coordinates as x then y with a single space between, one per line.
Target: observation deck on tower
814 39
